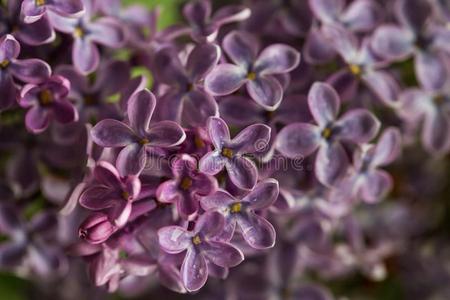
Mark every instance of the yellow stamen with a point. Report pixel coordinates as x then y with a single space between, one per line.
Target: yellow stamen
199 142
40 2
78 32
251 76
196 240
125 195
326 133
4 64
144 141
190 87
227 152
236 208
355 69
186 183
439 99
45 97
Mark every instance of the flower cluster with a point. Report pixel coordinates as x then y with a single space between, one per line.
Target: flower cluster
253 144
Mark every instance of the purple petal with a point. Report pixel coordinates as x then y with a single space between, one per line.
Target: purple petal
326 10
174 239
61 23
219 199
298 139
106 174
11 254
225 79
264 194
358 125
198 107
317 49
202 60
198 12
169 68
85 55
392 42
38 33
210 224
331 163
384 86
109 85
436 133
362 15
8 91
252 139
377 184
323 103
9 221
230 14
112 133
239 110
99 197
343 41
31 11
9 48
218 132
345 84
30 70
241 48
194 271
108 32
140 110
37 119
413 13
431 70
187 206
266 91
131 160
276 59
65 112
72 8
165 134
256 231
168 191
212 163
222 254
388 147
242 172
204 184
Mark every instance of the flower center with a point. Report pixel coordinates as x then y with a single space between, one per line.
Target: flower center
79 32
199 142
123 254
439 100
126 195
40 2
196 240
4 64
227 152
326 133
236 208
45 97
189 87
144 141
186 183
251 75
355 69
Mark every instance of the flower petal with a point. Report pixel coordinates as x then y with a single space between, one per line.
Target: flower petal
194 271
326 10
222 254
202 60
323 103
99 197
9 48
165 134
331 163
358 125
317 49
384 86
212 163
8 91
85 55
198 107
217 200
239 110
241 48
388 147
107 31
65 112
435 132
37 119
174 239
252 139
225 79
377 184
266 91
106 174
277 59
131 160
30 70
298 139
345 84
431 70
256 231
218 132
112 133
168 191
392 42
263 195
362 15
140 110
242 172
210 224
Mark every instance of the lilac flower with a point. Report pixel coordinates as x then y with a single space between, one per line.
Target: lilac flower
187 187
416 36
111 192
139 136
186 101
47 101
256 72
366 180
256 230
202 245
87 33
358 126
33 10
96 228
229 152
27 70
205 27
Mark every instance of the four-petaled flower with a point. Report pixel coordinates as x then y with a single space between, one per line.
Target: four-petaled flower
256 72
229 153
203 246
33 10
256 230
139 136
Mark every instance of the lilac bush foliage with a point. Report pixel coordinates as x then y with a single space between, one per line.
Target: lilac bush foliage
261 150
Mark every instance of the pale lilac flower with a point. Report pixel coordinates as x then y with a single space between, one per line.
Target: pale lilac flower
202 246
357 126
34 10
229 153
255 229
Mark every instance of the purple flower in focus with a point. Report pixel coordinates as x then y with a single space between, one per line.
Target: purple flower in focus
26 70
33 10
357 125
202 245
46 101
187 187
112 193
139 136
186 101
256 230
229 153
87 33
205 27
97 228
256 72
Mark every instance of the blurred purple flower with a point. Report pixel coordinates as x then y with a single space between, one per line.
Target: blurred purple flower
33 10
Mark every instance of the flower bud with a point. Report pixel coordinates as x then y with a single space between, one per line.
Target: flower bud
96 228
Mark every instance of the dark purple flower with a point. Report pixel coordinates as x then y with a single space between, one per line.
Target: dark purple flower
47 101
302 139
186 101
139 136
33 10
26 70
96 228
256 72
229 153
87 33
111 192
256 230
205 27
202 246
187 186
